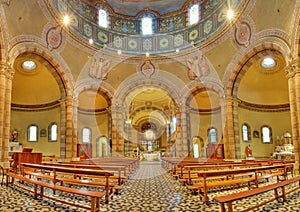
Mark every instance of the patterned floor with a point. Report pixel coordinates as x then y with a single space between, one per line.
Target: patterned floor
150 188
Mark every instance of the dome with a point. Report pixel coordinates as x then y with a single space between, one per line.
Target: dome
118 25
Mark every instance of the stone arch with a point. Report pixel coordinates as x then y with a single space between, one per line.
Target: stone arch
139 81
233 73
210 84
295 37
61 72
91 84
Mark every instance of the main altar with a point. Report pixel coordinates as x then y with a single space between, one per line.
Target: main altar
150 156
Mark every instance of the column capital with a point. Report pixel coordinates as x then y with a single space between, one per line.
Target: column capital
292 68
7 70
232 100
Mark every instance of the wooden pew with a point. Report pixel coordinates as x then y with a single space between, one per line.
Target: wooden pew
254 175
228 199
190 172
40 185
119 171
54 172
130 163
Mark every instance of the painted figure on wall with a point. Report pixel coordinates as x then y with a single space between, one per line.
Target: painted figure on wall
99 68
197 67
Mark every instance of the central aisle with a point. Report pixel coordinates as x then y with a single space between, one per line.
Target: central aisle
152 189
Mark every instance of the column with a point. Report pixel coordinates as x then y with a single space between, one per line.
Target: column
75 127
8 91
6 75
231 131
117 128
293 76
178 146
183 132
3 68
70 152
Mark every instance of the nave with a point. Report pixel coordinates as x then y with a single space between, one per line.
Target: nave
150 188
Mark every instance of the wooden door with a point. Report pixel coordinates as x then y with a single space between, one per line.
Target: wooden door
84 151
215 151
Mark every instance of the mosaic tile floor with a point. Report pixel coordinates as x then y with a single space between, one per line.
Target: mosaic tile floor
150 188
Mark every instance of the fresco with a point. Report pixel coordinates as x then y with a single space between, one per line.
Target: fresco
132 7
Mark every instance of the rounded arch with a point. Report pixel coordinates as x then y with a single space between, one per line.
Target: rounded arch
61 72
92 84
232 74
209 83
295 34
138 82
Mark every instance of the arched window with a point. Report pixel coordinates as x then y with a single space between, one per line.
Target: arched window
212 135
194 14
32 132
246 132
52 132
86 135
147 24
102 18
266 134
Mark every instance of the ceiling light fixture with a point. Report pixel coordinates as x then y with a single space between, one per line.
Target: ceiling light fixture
230 14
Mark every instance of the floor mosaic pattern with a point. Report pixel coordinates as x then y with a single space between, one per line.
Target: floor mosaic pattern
150 188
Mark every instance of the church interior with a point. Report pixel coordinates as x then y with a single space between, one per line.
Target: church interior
154 105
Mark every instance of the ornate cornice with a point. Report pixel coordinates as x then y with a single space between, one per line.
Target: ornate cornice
264 108
34 108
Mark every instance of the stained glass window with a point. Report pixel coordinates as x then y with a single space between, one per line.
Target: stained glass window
147 26
194 14
102 18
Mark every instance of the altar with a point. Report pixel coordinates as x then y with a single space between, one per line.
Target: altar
152 156
285 152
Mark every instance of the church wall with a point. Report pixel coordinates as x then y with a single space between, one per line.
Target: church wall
280 122
97 123
201 123
20 121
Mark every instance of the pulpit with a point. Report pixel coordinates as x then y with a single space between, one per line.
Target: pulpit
25 157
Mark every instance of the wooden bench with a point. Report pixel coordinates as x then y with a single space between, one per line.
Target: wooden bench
228 199
254 175
38 190
55 175
119 171
189 172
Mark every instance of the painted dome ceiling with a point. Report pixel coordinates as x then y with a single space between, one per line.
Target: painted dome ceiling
172 32
132 7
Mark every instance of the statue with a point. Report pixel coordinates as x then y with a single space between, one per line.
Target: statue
249 151
197 67
99 68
